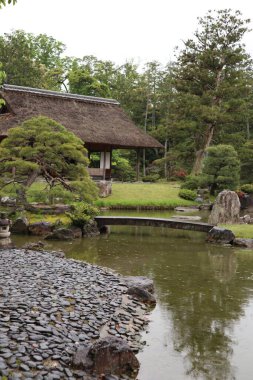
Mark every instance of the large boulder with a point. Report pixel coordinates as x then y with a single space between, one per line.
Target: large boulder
40 228
220 235
108 356
142 295
90 229
140 282
244 243
105 188
20 226
61 234
141 288
226 208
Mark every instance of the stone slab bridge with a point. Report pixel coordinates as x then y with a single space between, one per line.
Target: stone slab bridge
104 221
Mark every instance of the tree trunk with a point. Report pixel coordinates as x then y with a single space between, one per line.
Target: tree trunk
200 155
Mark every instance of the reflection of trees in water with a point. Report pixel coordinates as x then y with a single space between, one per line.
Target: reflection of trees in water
223 265
203 313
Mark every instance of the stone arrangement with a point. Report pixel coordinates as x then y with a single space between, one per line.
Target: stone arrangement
51 307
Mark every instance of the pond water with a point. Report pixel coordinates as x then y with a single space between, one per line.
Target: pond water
202 326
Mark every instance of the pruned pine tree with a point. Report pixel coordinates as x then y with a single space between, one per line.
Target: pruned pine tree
41 147
211 79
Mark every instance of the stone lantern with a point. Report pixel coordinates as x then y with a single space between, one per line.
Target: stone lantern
4 226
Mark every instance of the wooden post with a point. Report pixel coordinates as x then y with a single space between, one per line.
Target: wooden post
104 164
138 165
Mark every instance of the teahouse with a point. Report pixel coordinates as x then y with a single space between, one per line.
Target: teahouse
99 122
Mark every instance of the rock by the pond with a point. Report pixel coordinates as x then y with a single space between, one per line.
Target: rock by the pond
20 226
220 235
39 245
48 209
40 228
91 229
108 356
61 234
140 282
186 217
77 232
142 295
187 209
105 188
81 359
226 208
246 243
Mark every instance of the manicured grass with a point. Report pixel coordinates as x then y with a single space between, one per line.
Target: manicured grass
244 231
151 195
124 195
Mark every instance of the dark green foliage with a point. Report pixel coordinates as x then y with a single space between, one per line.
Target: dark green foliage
190 195
42 147
191 182
222 167
194 182
212 78
121 168
82 214
247 188
246 156
151 178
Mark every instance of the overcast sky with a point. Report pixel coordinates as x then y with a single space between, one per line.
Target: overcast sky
117 30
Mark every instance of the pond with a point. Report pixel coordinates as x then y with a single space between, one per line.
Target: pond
202 326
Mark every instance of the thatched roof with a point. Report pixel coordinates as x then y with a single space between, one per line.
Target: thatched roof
95 120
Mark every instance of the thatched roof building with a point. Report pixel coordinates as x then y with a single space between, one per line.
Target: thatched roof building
97 121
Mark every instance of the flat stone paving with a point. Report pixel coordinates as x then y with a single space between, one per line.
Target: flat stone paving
49 306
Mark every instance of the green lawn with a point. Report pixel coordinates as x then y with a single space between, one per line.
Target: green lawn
130 195
241 230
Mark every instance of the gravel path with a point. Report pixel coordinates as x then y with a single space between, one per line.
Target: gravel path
50 305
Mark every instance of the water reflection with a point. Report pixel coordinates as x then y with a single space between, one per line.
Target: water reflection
203 292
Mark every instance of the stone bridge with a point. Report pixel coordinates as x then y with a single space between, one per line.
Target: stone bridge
104 221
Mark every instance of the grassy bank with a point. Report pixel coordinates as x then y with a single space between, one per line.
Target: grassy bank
244 231
144 195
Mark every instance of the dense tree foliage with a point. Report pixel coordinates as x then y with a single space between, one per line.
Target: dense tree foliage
203 98
29 60
41 147
212 79
222 168
246 156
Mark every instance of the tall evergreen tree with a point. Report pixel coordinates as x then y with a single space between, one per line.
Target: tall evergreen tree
211 80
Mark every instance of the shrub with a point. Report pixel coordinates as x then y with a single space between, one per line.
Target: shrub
191 183
222 167
188 194
247 188
151 178
82 214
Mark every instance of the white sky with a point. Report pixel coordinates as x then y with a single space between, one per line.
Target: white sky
117 30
